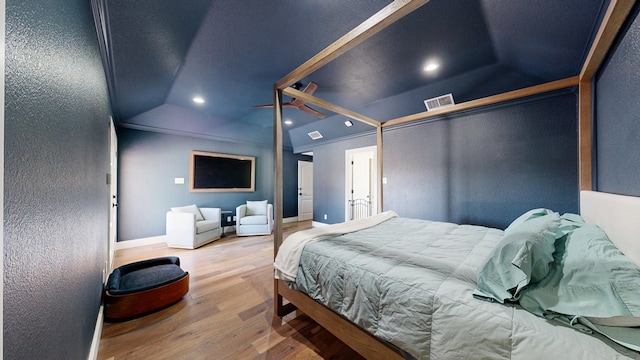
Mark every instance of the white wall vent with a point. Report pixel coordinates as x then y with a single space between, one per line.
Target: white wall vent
315 135
439 102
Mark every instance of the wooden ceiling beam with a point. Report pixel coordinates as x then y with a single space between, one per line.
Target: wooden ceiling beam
489 100
613 20
329 106
380 20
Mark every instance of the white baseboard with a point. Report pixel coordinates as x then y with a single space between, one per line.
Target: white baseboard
97 334
140 242
318 224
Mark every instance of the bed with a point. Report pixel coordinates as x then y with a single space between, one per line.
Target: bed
346 280
596 208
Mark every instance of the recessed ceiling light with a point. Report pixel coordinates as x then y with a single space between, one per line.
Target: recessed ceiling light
198 100
348 123
288 122
431 67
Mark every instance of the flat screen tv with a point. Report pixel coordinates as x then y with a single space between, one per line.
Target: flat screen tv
214 172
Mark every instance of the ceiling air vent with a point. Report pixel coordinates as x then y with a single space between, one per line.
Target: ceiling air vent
315 135
439 102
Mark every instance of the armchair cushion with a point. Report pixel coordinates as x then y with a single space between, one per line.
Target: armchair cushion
254 220
257 208
206 225
189 209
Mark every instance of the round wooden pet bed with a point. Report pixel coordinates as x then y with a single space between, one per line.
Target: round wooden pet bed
144 286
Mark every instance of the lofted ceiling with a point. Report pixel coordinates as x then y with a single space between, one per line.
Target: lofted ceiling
163 53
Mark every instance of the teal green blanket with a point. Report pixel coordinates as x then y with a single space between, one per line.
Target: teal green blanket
410 283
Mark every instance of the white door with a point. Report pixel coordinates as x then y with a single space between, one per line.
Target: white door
113 192
305 190
361 183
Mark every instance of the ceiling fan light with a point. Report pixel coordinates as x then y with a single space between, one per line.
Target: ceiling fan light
198 100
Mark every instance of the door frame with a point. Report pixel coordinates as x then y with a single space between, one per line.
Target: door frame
348 156
112 227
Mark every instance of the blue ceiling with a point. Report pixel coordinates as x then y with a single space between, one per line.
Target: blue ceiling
165 52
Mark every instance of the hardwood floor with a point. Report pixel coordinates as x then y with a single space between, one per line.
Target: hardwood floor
227 314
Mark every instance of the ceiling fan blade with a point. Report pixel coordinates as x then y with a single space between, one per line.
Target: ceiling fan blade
310 88
311 111
297 102
284 105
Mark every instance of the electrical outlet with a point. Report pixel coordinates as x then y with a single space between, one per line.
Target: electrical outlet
325 216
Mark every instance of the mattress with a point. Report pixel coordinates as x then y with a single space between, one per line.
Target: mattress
410 283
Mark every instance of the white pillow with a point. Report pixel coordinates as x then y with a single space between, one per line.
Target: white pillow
189 209
257 207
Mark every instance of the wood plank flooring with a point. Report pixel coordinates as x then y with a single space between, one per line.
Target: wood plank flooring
227 314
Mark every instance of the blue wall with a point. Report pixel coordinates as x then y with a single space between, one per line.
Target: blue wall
329 177
482 167
487 166
617 135
55 191
149 162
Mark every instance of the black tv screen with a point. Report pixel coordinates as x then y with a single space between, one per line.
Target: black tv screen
214 172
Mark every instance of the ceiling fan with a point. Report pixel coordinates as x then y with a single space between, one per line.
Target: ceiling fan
299 103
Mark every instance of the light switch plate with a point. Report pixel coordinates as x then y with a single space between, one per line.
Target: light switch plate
178 181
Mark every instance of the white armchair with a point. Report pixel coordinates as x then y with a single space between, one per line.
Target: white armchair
254 218
190 227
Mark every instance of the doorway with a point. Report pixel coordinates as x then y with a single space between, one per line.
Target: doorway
305 190
361 177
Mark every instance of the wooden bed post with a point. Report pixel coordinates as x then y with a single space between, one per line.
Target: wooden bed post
380 172
614 18
585 142
277 191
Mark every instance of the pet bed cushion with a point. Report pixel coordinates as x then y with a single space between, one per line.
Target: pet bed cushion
144 286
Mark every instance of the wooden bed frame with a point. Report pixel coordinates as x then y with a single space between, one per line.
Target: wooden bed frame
352 335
